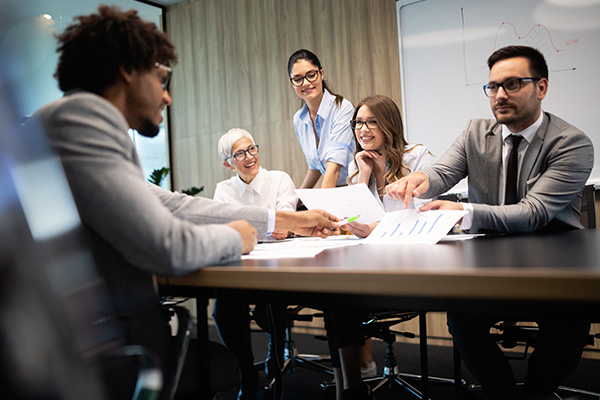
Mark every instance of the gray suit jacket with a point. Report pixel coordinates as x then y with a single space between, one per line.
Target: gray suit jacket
137 229
555 167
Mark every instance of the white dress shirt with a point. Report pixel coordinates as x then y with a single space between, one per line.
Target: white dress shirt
270 189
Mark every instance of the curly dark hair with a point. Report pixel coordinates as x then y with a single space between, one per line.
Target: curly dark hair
93 48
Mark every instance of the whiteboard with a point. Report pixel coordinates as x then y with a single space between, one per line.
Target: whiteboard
444 47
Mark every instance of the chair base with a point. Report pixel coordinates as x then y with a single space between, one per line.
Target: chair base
392 377
292 360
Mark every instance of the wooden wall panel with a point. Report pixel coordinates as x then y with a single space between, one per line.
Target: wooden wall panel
232 73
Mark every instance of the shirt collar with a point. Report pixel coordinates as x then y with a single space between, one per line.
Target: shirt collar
256 184
527 133
324 106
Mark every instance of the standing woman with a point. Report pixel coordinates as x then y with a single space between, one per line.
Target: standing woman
322 124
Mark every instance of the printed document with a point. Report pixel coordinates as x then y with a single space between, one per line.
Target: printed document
414 227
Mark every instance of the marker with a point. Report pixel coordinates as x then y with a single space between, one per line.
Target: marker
347 220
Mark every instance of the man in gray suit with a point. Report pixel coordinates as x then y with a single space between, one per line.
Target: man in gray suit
550 164
114 69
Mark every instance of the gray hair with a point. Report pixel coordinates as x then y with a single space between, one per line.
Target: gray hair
228 140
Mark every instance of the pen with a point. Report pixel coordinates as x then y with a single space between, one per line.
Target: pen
347 220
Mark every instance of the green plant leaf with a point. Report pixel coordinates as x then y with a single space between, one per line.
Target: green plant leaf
158 175
193 190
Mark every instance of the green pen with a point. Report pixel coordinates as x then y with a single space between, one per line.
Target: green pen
347 220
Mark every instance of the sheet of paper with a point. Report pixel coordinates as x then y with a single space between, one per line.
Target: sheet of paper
414 227
344 202
461 236
299 247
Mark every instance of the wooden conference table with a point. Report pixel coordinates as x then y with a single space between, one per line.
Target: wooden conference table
538 272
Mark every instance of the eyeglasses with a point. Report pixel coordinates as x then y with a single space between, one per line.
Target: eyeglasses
311 76
511 85
166 79
357 125
240 155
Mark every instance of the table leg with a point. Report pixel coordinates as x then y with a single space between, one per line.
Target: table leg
204 361
424 358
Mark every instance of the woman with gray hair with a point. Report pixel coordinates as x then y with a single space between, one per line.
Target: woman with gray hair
255 186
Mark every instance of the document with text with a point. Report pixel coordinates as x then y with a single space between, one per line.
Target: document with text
414 227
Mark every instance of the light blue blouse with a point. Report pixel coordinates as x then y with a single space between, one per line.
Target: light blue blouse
336 140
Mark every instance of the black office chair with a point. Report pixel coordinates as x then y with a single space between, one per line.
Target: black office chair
179 347
59 328
588 207
380 326
291 357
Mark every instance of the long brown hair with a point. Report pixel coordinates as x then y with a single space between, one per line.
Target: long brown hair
389 120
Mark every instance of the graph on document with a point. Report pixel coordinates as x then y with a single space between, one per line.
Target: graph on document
421 226
413 226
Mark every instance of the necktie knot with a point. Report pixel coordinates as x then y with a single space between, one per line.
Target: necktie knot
514 140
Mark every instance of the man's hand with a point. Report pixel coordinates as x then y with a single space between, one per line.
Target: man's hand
307 223
247 232
408 187
442 205
360 230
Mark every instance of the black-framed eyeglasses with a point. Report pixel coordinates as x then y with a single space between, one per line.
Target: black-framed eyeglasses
240 155
511 85
166 79
357 125
311 76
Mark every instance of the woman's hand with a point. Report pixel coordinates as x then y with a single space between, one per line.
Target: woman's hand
279 234
367 161
360 230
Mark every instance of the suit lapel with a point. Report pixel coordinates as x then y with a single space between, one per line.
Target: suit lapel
493 153
531 156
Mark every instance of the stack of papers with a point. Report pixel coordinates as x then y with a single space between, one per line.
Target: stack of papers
299 247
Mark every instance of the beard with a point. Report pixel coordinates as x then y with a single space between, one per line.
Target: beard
148 129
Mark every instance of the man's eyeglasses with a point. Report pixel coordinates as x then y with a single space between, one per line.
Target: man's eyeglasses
511 85
240 155
311 76
166 79
357 125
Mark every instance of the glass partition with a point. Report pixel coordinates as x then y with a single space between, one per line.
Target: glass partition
31 36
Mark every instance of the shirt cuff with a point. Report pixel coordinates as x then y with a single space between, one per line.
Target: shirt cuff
271 221
467 219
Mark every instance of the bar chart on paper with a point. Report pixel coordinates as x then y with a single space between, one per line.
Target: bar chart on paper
414 227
